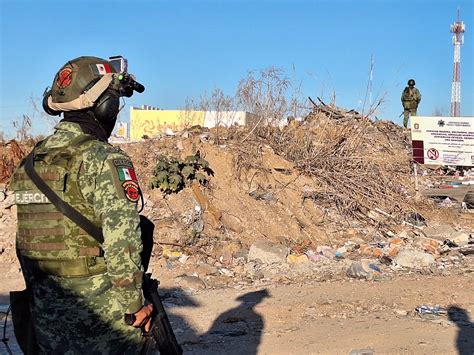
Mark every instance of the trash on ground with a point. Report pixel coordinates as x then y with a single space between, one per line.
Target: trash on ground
424 309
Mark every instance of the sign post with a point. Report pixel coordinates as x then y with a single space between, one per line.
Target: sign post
443 140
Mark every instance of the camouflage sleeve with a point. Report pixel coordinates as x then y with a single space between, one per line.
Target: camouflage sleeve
115 200
403 97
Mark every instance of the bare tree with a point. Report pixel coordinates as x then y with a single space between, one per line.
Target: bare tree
188 116
23 128
265 94
221 108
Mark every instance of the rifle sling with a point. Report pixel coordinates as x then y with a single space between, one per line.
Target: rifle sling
65 208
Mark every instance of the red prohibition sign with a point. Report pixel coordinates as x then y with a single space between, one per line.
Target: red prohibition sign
433 153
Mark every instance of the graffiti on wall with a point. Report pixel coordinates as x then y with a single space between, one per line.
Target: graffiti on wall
152 122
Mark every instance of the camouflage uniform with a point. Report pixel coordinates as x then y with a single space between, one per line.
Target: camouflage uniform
81 290
411 97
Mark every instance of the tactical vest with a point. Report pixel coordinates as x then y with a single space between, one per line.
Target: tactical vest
47 241
409 98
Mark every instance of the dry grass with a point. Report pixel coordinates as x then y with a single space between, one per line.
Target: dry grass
357 165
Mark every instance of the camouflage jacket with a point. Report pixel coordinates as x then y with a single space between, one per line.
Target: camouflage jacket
411 97
109 188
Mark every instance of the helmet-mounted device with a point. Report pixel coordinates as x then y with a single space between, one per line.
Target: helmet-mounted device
91 83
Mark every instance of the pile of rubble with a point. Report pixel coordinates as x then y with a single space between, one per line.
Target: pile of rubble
8 218
331 197
347 209
436 250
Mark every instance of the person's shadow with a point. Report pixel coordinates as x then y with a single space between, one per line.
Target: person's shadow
241 323
465 338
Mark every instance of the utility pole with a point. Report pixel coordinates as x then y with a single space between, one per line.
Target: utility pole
457 29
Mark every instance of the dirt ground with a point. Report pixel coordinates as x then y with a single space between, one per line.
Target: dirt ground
318 318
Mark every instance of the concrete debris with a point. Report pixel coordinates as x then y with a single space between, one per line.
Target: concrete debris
411 258
264 196
459 238
432 246
190 282
440 232
206 269
226 272
233 223
267 252
361 270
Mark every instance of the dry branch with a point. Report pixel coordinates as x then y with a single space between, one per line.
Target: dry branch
357 165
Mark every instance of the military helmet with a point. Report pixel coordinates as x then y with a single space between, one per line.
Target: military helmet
411 82
82 83
76 76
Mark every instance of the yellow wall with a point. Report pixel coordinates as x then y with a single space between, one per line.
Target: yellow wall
152 122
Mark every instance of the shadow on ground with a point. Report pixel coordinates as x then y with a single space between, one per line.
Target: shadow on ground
465 336
236 331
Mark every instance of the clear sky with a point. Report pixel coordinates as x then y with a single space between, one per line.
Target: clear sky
181 49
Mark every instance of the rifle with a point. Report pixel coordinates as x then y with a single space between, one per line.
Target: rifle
161 329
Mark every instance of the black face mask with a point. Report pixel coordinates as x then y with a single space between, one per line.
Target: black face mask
90 125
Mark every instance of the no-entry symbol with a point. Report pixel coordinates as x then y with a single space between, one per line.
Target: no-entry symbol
432 154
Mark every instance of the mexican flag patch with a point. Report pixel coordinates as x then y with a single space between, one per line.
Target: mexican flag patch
101 69
126 173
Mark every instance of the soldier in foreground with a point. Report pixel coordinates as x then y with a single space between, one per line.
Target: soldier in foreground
80 290
411 98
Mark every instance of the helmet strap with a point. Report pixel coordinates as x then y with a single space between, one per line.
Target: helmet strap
85 100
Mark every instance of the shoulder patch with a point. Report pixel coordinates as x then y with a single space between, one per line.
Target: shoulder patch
132 190
126 173
125 170
124 177
122 162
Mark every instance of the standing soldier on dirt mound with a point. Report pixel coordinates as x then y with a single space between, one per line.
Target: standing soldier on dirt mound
411 98
80 289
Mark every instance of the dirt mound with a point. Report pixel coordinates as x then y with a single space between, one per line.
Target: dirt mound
11 153
322 181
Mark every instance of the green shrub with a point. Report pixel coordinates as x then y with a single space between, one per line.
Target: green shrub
171 174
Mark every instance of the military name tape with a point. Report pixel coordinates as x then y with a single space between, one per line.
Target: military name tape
27 197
